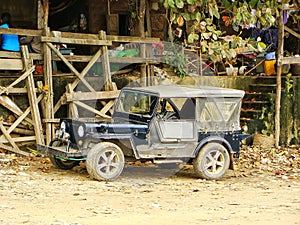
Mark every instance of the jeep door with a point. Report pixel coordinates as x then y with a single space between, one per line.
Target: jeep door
173 131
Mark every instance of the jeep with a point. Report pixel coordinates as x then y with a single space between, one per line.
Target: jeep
165 124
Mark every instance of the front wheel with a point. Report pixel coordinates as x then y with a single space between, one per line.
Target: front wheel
61 163
105 161
212 161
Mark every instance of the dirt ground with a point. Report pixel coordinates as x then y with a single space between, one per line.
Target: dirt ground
33 192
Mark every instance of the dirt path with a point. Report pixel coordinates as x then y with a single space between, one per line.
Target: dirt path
34 192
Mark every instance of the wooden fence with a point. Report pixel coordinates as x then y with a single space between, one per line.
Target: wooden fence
80 90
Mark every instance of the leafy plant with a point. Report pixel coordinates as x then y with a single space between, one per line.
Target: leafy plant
267 116
200 16
176 59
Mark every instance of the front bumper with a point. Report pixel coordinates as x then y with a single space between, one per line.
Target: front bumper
58 151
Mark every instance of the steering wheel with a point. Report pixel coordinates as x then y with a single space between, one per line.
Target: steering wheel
168 115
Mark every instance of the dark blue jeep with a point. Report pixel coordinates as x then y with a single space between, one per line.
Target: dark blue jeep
164 124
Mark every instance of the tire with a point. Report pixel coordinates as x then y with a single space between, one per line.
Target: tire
60 163
105 161
212 161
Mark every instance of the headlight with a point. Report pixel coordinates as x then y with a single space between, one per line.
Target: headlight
80 131
245 129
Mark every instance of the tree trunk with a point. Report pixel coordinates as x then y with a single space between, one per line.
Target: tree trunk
278 85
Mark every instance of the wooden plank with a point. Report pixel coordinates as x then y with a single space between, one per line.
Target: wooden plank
18 80
105 62
21 131
46 13
81 96
71 67
17 91
40 13
292 32
87 68
8 148
47 104
75 41
116 38
23 32
73 111
55 120
35 113
74 58
79 35
22 117
20 139
70 35
58 104
17 55
291 60
107 107
11 55
138 60
11 64
10 105
9 139
91 109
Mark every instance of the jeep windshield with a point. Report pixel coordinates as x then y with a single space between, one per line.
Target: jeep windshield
136 103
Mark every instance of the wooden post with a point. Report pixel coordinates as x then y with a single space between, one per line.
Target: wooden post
40 14
46 13
148 19
35 113
48 87
105 63
278 80
142 10
72 111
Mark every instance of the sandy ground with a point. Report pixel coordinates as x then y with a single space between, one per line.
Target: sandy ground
32 191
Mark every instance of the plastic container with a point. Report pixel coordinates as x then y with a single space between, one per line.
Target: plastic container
270 67
270 56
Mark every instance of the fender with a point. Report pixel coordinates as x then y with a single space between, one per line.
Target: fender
101 136
209 139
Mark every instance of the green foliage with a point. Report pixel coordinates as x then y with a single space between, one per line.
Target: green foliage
288 83
176 59
267 117
199 15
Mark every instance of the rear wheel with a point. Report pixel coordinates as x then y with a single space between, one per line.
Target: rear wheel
212 161
105 161
61 163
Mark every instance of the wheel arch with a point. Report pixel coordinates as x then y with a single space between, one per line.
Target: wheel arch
121 141
215 139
